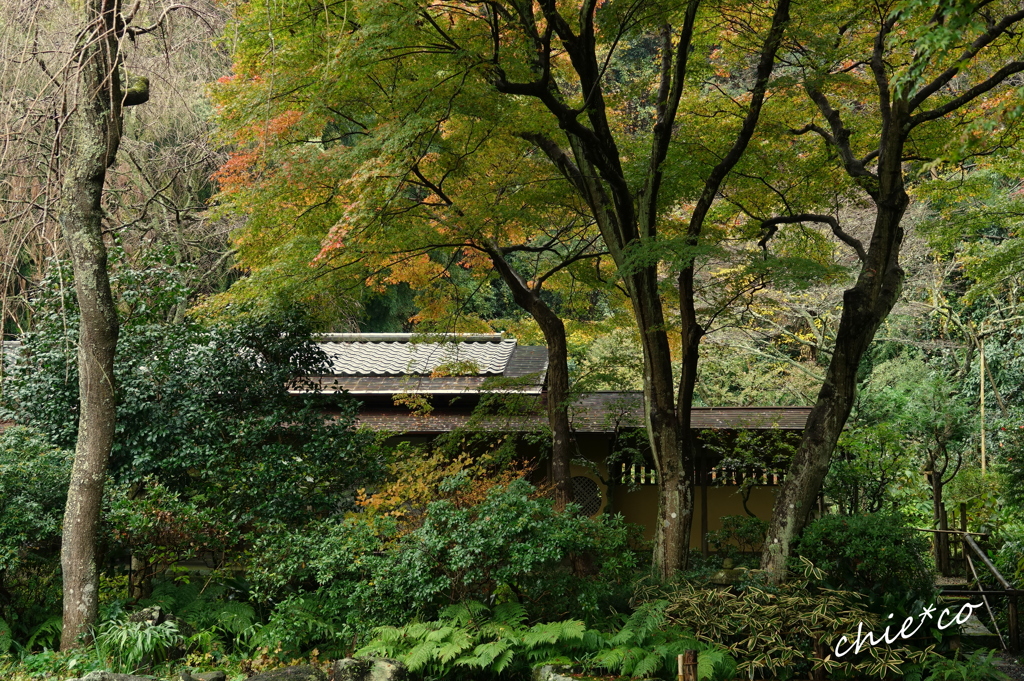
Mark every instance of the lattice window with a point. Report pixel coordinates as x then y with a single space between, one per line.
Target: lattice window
587 494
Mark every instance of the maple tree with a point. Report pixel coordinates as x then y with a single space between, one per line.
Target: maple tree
462 194
562 82
892 90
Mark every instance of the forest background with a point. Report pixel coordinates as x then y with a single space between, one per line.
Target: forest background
635 187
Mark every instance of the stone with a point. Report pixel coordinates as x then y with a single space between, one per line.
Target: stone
154 615
110 676
550 672
209 676
369 669
296 673
203 676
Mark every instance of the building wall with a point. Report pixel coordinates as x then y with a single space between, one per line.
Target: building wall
640 504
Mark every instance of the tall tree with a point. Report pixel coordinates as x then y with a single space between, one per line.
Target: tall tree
561 79
461 195
95 99
893 88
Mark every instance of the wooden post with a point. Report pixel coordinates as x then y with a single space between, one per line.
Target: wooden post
963 516
705 551
943 542
688 666
1014 623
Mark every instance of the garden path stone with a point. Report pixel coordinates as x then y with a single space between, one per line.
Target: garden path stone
296 673
369 669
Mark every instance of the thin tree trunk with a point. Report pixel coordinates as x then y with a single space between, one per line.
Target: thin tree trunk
558 372
667 428
95 130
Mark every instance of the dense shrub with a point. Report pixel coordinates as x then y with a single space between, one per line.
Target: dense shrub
211 447
876 554
353 575
1009 559
33 490
781 631
203 406
739 535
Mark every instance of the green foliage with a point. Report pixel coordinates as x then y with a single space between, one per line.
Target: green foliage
468 640
347 577
131 646
206 424
209 608
302 622
201 406
46 634
739 534
33 488
978 666
868 460
159 526
874 554
1011 464
650 643
773 630
1009 560
51 664
5 637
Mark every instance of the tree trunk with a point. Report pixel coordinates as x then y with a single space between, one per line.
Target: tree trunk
865 307
558 372
668 427
95 130
628 219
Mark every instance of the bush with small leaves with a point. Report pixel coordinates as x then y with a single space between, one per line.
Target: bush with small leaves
875 554
336 580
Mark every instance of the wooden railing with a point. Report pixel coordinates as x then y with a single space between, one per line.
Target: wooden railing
963 552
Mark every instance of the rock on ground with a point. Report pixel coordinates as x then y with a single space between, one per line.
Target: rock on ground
297 673
110 676
550 672
369 669
202 676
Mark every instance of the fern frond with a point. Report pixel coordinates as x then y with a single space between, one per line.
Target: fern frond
420 656
511 613
650 663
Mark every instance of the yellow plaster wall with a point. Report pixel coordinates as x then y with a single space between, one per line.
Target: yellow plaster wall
641 507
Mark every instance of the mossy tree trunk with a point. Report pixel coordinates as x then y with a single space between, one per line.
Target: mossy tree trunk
91 137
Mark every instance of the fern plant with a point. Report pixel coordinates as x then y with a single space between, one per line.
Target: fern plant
46 634
217 621
648 644
471 641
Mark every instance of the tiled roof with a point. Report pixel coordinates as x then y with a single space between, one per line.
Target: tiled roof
603 412
390 363
403 354
527 360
